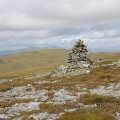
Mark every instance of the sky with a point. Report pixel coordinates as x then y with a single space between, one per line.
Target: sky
59 23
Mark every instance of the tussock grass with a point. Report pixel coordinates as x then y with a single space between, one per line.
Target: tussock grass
15 83
10 103
87 115
56 108
98 99
31 62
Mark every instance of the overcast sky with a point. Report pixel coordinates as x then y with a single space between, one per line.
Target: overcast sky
58 23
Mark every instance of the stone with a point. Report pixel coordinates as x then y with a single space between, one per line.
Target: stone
40 116
62 113
24 92
83 106
63 95
80 105
18 91
4 117
117 115
78 61
17 108
71 110
53 117
110 90
3 81
118 62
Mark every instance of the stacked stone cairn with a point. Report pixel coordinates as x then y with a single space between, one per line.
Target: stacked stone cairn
78 60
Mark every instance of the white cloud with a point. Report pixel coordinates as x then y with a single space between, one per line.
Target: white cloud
56 23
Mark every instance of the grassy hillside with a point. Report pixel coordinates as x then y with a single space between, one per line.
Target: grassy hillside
103 107
40 61
30 62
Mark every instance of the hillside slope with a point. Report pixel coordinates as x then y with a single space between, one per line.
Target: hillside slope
41 61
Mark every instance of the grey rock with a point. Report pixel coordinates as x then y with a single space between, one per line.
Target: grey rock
25 92
83 106
3 81
78 61
63 95
117 115
17 108
4 117
71 110
118 62
40 116
53 117
110 90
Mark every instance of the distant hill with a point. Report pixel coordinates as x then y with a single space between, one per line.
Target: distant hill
29 49
41 61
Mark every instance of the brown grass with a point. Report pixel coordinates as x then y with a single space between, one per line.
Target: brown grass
10 103
98 99
53 108
41 61
87 115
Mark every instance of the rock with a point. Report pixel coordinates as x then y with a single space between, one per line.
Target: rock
70 110
77 62
18 118
17 108
80 105
117 115
90 106
63 69
18 91
63 95
4 117
3 81
80 94
56 81
111 90
39 116
118 62
83 106
53 117
62 113
25 92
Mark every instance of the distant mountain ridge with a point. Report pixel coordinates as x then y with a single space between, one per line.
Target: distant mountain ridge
9 52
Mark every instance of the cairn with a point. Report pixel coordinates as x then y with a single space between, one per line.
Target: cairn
78 61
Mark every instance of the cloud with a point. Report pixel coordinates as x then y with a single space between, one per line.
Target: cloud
27 23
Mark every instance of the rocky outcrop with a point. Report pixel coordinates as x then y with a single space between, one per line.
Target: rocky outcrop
78 61
110 90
